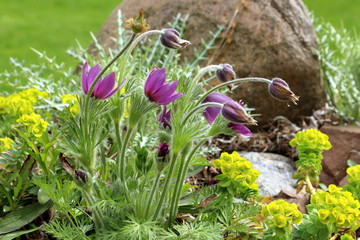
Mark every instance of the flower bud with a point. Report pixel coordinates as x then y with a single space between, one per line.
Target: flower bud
234 112
227 74
280 90
81 177
171 39
162 156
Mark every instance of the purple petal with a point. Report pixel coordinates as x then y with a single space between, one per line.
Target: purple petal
170 99
111 93
240 129
211 113
165 91
94 71
83 78
154 81
216 97
106 86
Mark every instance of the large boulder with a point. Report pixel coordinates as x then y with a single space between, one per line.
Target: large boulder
267 38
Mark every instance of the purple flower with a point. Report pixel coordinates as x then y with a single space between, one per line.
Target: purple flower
234 112
280 90
171 39
104 88
211 113
163 150
159 92
227 74
165 118
240 129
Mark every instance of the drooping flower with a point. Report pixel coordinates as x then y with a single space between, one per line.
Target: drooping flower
104 88
240 129
280 90
211 113
165 118
234 112
171 39
227 74
159 92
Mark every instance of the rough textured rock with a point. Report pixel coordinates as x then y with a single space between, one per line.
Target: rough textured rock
276 172
267 38
344 140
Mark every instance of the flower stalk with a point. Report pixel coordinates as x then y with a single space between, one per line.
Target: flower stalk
179 182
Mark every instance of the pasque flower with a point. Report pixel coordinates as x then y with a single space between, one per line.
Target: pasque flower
211 113
159 92
234 112
280 90
171 39
227 74
104 88
165 118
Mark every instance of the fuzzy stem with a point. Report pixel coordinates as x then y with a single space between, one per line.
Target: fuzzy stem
239 80
180 181
97 79
199 76
122 162
97 215
310 186
194 110
166 186
133 45
151 197
118 137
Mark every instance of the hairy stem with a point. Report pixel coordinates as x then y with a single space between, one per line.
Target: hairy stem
166 186
197 108
180 181
133 45
199 76
151 197
240 80
97 79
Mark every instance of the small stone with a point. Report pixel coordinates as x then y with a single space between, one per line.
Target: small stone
276 172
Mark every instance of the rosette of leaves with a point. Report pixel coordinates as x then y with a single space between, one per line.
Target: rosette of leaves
238 175
309 144
354 179
281 215
333 212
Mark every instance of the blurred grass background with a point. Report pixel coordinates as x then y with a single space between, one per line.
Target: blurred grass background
53 25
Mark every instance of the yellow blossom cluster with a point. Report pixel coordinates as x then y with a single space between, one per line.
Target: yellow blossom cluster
22 102
71 102
337 207
34 123
282 213
311 139
354 174
238 174
5 143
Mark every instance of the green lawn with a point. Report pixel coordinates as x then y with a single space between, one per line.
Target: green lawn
53 25
340 13
48 25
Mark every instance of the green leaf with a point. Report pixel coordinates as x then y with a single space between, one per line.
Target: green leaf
16 234
311 228
324 234
323 187
351 163
22 216
224 183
